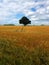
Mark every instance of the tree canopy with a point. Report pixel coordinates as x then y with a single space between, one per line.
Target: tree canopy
24 20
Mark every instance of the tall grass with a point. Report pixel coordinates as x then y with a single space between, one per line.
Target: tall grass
24 48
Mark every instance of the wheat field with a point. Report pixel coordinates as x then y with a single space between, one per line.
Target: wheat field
24 45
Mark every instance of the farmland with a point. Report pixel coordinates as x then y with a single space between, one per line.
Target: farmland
24 45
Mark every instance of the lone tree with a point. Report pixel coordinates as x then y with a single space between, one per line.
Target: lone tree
24 20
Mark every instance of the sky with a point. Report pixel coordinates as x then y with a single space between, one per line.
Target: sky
11 11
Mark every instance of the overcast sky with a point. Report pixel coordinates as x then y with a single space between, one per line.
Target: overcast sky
36 10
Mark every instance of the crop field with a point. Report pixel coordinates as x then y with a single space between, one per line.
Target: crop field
24 45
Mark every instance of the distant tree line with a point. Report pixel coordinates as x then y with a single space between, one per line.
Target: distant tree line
9 24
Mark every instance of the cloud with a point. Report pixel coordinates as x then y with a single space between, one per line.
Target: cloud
12 10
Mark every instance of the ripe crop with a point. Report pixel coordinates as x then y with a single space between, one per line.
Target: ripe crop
24 45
